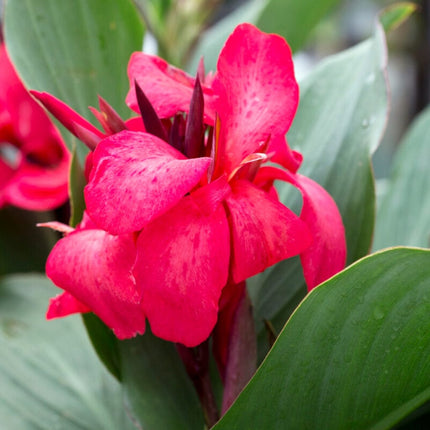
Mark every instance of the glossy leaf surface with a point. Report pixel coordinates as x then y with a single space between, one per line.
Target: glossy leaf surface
354 355
49 374
403 215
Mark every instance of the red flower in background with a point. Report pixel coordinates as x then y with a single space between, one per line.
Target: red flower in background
180 206
34 161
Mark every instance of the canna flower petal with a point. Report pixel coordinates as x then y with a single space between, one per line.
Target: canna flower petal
136 177
66 115
257 92
168 89
65 304
327 254
107 287
182 265
282 154
264 231
38 187
34 161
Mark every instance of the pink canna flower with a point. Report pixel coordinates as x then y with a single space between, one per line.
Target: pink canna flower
180 206
34 161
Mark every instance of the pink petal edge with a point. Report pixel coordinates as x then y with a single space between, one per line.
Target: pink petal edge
264 231
327 254
95 268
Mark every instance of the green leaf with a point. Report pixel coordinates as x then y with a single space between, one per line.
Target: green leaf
403 216
104 342
396 14
157 386
77 183
338 125
74 49
354 355
294 20
17 230
49 375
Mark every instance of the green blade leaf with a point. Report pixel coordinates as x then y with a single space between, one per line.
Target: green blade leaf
49 375
396 14
74 49
403 216
354 355
339 123
294 19
158 389
104 342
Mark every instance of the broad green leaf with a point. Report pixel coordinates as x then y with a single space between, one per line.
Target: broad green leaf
292 19
338 125
354 355
74 49
403 216
50 377
159 391
18 230
396 14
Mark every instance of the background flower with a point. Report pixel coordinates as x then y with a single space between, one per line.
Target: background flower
34 161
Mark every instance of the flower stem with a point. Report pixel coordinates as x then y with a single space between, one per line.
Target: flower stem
196 361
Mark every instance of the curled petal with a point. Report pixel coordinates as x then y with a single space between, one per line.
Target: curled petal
327 254
65 304
168 89
181 267
281 153
36 187
40 179
135 178
95 268
66 115
258 93
264 231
